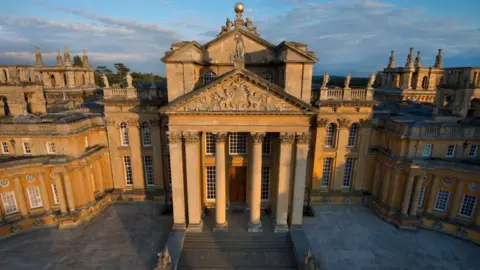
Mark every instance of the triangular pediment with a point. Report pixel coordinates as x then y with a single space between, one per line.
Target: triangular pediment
239 92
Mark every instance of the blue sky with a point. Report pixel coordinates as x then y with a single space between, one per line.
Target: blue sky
348 36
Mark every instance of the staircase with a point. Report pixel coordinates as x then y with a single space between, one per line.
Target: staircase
237 250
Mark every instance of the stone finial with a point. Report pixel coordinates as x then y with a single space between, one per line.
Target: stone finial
347 81
239 7
409 63
59 58
85 58
66 56
438 59
418 60
38 57
391 60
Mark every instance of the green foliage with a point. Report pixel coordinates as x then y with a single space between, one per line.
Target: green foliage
122 70
120 76
355 82
77 61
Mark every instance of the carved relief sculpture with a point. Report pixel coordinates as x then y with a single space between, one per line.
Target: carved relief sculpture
322 122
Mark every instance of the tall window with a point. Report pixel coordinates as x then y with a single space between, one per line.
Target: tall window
26 148
451 150
265 191
348 172
442 200
421 197
210 173
268 75
427 150
209 143
124 134
146 135
9 202
34 197
267 145
327 172
148 168
127 164
352 135
330 136
208 76
237 142
473 150
51 149
5 149
55 194
468 205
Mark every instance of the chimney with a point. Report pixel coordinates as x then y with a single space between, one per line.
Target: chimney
59 59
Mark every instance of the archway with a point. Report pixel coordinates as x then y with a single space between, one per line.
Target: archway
425 82
52 81
65 81
4 105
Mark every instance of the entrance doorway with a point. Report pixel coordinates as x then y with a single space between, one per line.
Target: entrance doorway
238 185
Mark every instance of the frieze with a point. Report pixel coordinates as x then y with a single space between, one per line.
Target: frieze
174 137
191 137
303 138
257 137
322 122
287 138
344 123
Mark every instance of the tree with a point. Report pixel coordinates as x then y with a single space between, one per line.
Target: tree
122 70
77 61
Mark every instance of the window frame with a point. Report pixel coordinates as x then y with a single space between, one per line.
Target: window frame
352 139
421 198
5 148
208 76
452 154
26 146
210 184
51 146
348 177
266 175
146 134
35 199
330 135
124 136
472 208
267 144
56 201
9 210
430 147
148 170
210 144
447 200
322 182
237 137
474 154
128 172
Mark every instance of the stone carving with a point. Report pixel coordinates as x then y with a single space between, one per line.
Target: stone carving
220 137
322 122
228 26
418 60
249 25
30 178
347 81
287 138
237 96
303 138
391 60
438 59
409 62
191 137
105 80
164 260
174 137
240 47
38 222
257 137
129 80
371 81
4 183
15 228
310 261
326 79
342 122
473 186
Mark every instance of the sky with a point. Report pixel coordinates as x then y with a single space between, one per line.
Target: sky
348 36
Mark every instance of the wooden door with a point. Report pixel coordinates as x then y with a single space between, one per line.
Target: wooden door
238 184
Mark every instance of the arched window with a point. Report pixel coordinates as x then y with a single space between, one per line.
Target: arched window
352 135
268 75
330 135
425 82
208 76
146 135
124 134
52 80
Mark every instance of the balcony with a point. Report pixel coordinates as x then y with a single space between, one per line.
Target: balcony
130 93
341 94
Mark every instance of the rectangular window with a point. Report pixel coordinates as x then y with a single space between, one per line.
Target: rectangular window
421 197
442 200
148 168
26 148
9 202
468 205
327 171
34 197
347 177
5 149
427 150
51 149
265 191
237 142
473 150
55 194
210 182
267 145
451 150
209 144
127 164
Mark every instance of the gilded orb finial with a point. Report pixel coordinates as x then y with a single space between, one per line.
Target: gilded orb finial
239 7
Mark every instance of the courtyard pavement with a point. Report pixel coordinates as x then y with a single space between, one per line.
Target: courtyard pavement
124 236
352 237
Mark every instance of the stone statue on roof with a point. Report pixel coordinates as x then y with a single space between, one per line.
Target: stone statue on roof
105 80
347 81
240 47
326 79
371 81
129 80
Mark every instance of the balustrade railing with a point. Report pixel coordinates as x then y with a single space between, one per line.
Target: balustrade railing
346 94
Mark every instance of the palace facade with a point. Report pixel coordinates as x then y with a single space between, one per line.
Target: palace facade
240 125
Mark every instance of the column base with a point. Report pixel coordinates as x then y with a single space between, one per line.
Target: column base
255 228
281 228
221 227
195 227
179 226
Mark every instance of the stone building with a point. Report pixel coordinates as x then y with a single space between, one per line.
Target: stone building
239 127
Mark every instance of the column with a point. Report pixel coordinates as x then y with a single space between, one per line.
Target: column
284 175
136 158
396 182
157 154
99 177
178 192
433 194
69 192
300 178
407 194
376 181
255 224
220 185
416 196
457 200
43 189
20 196
87 183
386 185
1 217
60 193
192 156
107 171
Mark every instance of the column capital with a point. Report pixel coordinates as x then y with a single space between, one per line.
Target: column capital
303 137
322 122
287 138
257 137
220 137
174 137
191 137
343 123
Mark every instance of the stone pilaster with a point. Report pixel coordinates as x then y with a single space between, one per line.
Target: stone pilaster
255 224
376 181
20 196
220 183
137 158
61 194
43 189
416 196
395 186
407 194
178 191
157 153
98 177
433 194
386 186
300 178
87 183
284 175
69 192
457 200
477 217
192 153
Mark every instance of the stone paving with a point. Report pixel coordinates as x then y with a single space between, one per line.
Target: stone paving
352 237
124 236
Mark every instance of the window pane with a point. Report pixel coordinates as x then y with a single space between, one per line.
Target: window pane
127 164
148 168
237 143
265 190
468 205
210 182
209 143
34 197
327 167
